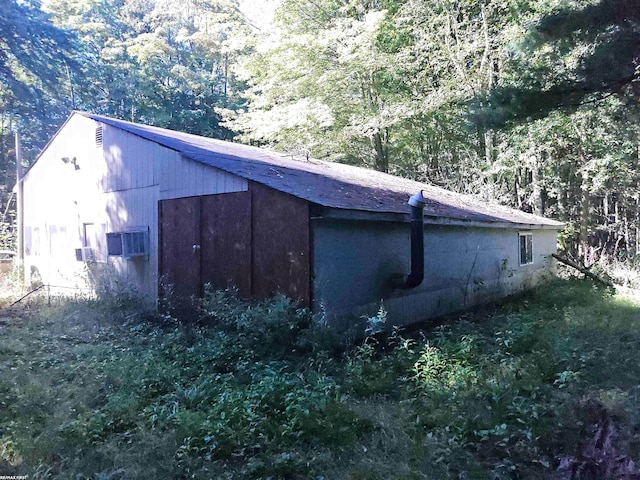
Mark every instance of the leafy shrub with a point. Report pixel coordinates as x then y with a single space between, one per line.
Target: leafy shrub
274 408
271 328
7 236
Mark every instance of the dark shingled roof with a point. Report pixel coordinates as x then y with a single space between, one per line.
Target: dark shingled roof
328 184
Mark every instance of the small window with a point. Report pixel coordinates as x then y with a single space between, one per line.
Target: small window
128 244
35 241
93 248
28 242
114 244
526 248
58 244
85 254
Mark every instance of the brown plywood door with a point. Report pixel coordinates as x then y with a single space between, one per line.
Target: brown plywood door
180 247
256 241
226 241
281 259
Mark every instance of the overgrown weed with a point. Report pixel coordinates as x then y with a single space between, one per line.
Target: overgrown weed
97 388
232 387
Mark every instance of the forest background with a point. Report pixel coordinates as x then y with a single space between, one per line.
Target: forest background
533 104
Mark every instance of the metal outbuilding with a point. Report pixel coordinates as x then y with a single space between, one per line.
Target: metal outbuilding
113 201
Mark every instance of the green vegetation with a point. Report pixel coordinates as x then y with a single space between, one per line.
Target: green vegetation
96 389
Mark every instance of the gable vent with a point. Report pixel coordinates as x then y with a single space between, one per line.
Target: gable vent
99 137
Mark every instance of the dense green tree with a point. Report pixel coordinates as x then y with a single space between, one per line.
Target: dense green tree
33 52
323 85
35 69
386 84
156 61
570 96
573 54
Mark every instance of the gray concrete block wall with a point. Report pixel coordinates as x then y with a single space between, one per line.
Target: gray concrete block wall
464 266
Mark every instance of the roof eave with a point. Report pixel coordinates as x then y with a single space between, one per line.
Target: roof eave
332 213
445 221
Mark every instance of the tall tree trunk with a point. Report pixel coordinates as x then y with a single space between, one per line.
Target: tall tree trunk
489 146
516 188
637 218
584 216
226 77
71 90
537 202
380 141
627 239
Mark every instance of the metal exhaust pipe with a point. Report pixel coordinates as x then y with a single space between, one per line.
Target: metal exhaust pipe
415 277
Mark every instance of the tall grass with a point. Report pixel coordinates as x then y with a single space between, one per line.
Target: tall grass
102 389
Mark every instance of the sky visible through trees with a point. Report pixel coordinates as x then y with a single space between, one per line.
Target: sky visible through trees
530 103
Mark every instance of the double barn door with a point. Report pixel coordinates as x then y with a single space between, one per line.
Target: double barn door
206 239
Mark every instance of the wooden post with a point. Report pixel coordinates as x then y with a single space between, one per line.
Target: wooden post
19 210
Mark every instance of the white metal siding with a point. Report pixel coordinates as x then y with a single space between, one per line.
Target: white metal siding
56 194
186 178
133 162
137 207
118 185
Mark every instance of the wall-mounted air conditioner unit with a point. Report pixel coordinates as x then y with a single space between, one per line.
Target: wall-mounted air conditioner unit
85 254
128 244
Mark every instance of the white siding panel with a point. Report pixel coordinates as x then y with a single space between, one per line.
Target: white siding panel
162 166
190 180
136 172
220 183
201 175
130 160
187 178
198 172
142 163
132 209
464 266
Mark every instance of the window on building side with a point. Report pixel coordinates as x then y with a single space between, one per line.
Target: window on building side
58 243
93 245
35 241
129 244
526 248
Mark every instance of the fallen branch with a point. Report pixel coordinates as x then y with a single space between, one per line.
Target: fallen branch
25 296
586 271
